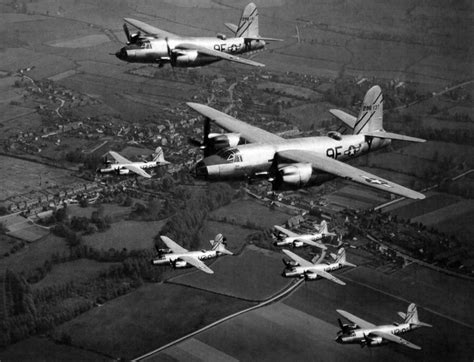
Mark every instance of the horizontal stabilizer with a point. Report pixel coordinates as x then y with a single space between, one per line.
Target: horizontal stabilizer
348 119
261 38
423 324
231 27
394 136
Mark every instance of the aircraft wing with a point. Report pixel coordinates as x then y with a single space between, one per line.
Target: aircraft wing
360 322
175 248
197 263
285 231
118 158
217 54
348 172
298 259
329 276
314 243
393 338
229 123
148 29
137 170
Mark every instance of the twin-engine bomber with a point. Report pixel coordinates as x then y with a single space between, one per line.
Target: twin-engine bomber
162 47
297 162
368 334
179 257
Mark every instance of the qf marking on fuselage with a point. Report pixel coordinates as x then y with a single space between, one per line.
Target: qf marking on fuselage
334 152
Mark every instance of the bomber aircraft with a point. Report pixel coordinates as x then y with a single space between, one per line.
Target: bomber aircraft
122 166
161 47
303 268
368 334
298 240
297 162
179 257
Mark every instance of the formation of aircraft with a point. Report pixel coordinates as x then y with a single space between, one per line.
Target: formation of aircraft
298 240
303 268
298 162
122 166
153 45
179 257
368 334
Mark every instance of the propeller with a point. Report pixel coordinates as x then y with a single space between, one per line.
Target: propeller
204 145
131 38
171 55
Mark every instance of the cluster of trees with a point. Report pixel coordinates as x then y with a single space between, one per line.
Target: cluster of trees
185 225
25 312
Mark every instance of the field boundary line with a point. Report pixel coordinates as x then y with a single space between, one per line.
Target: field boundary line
288 290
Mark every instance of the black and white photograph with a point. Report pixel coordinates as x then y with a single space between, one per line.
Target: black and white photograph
217 180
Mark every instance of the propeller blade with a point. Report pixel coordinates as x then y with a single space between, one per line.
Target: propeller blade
127 33
340 323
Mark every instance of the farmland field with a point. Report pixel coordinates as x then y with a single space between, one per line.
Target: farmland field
154 316
132 235
433 202
72 271
250 213
41 348
35 254
233 275
21 177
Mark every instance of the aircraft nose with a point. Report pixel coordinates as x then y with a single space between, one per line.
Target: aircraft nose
338 339
122 54
200 170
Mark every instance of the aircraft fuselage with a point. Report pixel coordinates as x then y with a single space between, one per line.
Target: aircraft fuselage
292 239
248 160
306 271
121 167
174 259
358 336
158 50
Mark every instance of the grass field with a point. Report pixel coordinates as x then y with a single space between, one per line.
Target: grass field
233 273
73 271
143 320
132 235
43 349
35 254
21 177
248 212
433 202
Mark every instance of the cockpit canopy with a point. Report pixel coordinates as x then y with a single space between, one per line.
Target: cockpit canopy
145 44
230 155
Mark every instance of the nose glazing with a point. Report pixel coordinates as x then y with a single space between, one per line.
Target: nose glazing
122 54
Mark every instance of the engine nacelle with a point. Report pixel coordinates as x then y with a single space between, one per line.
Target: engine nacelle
178 264
374 341
185 59
123 171
218 141
290 263
297 244
295 175
310 276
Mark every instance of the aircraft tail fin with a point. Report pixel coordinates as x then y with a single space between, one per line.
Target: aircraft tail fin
323 227
341 258
232 27
411 316
218 244
370 117
159 156
248 25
